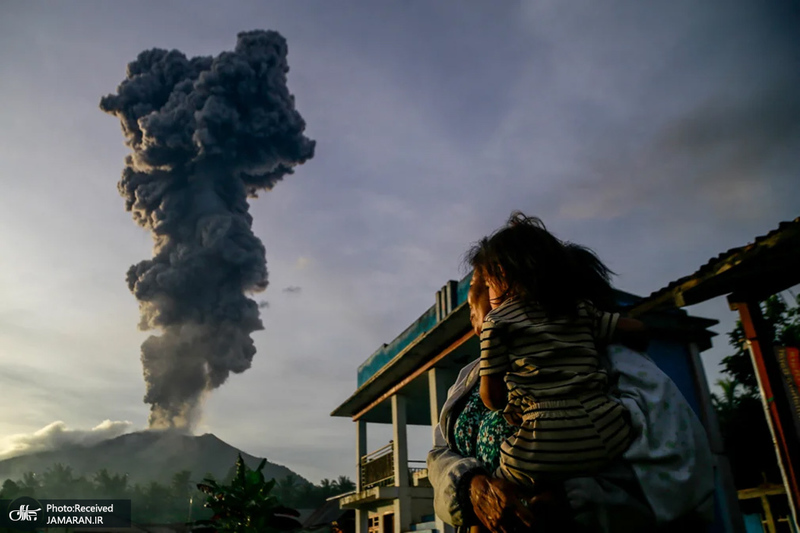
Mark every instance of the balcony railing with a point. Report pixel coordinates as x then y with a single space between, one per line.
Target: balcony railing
416 466
377 468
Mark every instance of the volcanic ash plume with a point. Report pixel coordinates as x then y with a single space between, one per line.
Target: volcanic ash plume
205 133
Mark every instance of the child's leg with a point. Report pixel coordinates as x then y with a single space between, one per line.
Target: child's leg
509 469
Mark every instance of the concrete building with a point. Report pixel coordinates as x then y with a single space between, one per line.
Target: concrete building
405 383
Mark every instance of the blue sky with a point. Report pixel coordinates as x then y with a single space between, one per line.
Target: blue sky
657 134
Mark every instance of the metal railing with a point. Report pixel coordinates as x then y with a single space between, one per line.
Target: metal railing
417 466
377 468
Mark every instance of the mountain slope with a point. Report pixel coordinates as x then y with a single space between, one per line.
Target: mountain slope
145 456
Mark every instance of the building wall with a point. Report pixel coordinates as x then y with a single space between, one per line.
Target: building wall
675 360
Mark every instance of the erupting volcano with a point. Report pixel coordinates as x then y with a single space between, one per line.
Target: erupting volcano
206 134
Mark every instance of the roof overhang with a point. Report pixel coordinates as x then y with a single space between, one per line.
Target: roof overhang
767 266
452 328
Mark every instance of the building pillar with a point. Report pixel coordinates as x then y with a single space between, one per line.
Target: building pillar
361 450
362 515
402 505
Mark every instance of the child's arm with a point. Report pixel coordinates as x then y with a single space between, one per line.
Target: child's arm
494 392
493 366
610 327
632 333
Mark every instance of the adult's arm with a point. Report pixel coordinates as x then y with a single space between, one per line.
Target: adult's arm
450 475
465 494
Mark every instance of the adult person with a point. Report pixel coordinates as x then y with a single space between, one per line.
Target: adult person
664 480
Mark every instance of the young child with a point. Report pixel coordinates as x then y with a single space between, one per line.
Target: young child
540 348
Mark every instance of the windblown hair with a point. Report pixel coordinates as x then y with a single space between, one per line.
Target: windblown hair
533 265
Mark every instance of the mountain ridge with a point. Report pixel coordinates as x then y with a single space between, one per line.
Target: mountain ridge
145 456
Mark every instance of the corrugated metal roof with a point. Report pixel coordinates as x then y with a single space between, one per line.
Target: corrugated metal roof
723 262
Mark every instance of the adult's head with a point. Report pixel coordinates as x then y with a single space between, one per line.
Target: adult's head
526 261
478 301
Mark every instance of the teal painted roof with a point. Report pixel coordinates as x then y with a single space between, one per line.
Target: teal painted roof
427 321
419 327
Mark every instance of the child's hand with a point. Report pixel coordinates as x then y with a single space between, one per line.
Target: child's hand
513 418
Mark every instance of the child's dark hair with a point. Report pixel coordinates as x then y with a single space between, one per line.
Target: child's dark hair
538 267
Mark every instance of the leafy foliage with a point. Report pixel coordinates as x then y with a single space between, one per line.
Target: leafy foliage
153 503
742 421
295 493
785 323
245 505
156 503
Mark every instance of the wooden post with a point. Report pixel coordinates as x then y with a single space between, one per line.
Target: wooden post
762 492
768 519
773 395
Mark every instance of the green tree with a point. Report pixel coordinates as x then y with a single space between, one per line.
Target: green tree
246 505
30 485
182 491
10 490
157 503
57 482
739 408
344 484
309 496
783 318
111 486
327 489
287 489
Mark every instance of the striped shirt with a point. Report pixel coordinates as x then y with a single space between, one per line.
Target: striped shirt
545 358
570 426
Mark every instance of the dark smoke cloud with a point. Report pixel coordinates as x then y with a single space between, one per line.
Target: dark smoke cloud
205 133
263 304
293 290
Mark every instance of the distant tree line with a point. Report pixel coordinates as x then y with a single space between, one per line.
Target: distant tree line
293 492
158 503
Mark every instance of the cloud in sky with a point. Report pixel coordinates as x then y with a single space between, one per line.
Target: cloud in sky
657 134
58 435
715 151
